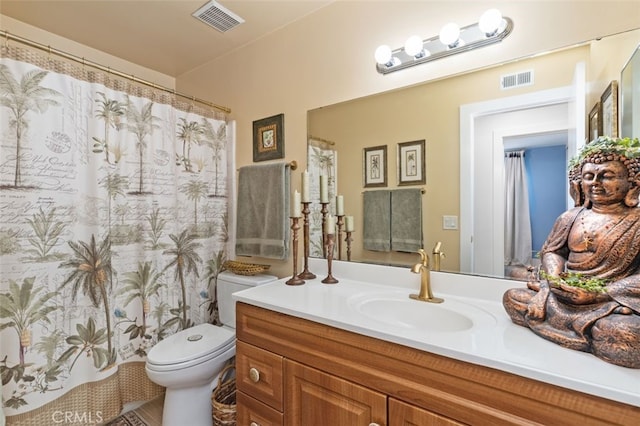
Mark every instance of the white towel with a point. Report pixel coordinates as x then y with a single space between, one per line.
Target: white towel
263 211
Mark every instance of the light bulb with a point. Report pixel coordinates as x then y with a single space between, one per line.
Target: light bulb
413 46
383 54
490 22
449 34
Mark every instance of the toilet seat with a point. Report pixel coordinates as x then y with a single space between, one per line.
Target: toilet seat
190 347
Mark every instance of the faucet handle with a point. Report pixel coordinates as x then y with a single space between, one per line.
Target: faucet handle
424 258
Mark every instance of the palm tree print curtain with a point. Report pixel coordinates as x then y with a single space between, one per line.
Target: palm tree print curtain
113 228
322 160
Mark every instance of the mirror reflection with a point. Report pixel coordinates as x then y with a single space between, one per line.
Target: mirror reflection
463 199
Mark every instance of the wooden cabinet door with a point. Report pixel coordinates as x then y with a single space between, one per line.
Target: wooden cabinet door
314 398
403 414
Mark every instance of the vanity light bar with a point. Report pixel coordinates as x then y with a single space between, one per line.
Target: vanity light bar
471 37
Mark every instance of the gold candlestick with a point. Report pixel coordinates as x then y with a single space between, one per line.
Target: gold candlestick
348 241
295 280
306 274
339 224
330 244
324 210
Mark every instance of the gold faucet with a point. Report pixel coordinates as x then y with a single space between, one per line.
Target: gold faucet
422 268
438 254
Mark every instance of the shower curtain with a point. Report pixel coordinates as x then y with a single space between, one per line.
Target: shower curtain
322 160
113 228
517 222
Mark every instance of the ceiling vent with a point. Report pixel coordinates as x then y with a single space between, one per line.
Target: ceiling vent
217 16
523 78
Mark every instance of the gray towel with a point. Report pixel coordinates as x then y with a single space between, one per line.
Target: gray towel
263 211
377 220
406 220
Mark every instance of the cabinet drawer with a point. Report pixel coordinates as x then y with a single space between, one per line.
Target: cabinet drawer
252 412
403 414
259 374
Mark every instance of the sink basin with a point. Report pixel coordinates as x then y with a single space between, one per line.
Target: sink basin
397 309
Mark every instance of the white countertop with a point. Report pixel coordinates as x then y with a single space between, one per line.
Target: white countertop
493 340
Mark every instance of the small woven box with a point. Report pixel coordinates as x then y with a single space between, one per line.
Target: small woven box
242 268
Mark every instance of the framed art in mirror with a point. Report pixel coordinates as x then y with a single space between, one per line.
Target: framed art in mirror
595 122
268 138
411 169
375 166
609 110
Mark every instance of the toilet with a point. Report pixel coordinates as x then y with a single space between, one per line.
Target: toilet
188 362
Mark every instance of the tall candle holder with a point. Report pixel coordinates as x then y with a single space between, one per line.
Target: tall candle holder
306 274
295 280
339 223
330 243
324 210
348 240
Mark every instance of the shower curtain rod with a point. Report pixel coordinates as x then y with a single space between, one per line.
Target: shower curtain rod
328 142
8 36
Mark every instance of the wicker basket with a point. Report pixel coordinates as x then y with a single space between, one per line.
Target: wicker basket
223 398
242 268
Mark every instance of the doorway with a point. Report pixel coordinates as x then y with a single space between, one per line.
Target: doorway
484 127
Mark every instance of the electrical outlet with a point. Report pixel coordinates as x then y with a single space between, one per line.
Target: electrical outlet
449 222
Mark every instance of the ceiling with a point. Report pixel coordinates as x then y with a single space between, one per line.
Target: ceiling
161 35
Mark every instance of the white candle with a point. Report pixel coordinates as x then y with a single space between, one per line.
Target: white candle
295 207
324 189
348 223
339 205
305 187
330 225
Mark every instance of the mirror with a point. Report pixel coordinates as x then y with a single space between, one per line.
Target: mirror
431 111
630 96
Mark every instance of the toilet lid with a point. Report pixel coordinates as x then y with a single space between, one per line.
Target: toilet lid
204 340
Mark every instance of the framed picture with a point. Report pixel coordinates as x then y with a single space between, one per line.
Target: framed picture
595 122
375 166
609 110
268 138
411 163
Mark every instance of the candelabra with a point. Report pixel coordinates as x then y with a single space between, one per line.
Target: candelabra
324 212
295 279
306 274
348 240
330 239
339 223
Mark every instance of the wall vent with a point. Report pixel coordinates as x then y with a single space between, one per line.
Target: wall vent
217 16
519 79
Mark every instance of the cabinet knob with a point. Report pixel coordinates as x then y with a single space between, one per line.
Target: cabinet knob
254 424
254 375
370 424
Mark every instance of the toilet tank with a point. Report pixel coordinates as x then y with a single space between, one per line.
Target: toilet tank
229 283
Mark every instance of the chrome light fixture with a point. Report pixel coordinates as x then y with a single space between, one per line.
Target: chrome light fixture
491 28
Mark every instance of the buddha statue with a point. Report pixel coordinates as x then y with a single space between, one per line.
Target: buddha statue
586 294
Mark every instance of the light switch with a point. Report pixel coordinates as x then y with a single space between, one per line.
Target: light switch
449 222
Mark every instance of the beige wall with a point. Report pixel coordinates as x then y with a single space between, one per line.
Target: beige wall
68 46
327 57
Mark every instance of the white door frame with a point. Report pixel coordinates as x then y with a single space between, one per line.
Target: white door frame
468 115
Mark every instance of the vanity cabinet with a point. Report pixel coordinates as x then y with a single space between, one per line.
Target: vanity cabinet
296 372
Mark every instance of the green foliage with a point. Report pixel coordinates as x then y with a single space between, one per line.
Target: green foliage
87 341
157 225
627 147
574 279
46 231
